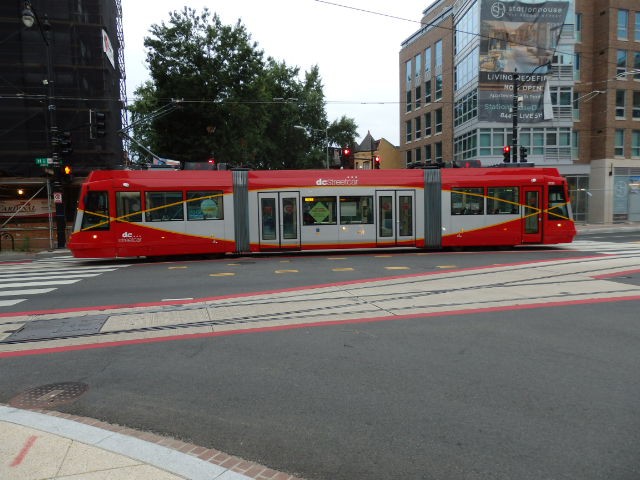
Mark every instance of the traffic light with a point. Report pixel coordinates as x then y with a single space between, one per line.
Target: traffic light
376 163
506 154
67 173
346 161
523 154
97 122
64 144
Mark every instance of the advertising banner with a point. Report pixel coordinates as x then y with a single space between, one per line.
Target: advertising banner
517 37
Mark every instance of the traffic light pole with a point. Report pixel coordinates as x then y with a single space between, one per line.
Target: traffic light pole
29 17
54 140
514 117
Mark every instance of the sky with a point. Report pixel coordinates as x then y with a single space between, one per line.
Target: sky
357 52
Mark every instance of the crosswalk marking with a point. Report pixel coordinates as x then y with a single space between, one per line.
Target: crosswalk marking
20 282
11 303
29 291
50 278
605 248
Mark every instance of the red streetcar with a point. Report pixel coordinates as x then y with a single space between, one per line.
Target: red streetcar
146 213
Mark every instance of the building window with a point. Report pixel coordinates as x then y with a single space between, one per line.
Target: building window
623 24
576 67
560 96
466 108
620 97
438 121
409 106
418 65
407 68
621 61
427 153
575 144
408 157
636 32
427 59
427 92
408 130
578 27
466 146
418 155
576 106
438 89
438 53
635 143
418 96
618 149
636 105
467 69
427 124
485 142
418 125
636 65
438 146
537 141
467 28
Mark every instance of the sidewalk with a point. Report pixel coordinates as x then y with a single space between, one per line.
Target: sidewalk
50 445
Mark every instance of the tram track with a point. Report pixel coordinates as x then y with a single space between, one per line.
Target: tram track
534 284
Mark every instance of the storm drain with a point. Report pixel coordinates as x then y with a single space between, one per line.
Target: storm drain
49 396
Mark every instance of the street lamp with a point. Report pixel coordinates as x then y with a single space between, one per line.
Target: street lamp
326 138
29 18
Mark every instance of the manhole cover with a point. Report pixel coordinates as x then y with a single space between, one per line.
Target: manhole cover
49 396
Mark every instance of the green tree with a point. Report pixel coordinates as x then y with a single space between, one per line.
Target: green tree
213 93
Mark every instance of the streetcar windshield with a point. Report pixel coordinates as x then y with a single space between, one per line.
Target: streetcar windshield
558 205
96 211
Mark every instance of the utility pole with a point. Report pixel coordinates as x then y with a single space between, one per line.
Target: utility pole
514 118
29 17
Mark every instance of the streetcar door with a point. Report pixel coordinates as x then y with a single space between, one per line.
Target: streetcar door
532 215
279 220
395 214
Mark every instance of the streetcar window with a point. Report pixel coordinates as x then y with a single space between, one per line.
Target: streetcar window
405 215
128 207
356 210
96 211
557 203
467 201
319 211
205 205
163 206
290 218
385 216
503 200
268 209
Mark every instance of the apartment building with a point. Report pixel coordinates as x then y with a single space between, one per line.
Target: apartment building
576 93
61 80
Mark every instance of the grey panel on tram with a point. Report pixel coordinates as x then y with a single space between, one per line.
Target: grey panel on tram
432 208
241 210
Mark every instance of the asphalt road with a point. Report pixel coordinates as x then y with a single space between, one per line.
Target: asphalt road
526 393
121 282
543 393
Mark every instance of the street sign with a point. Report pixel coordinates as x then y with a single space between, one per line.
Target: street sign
57 197
43 161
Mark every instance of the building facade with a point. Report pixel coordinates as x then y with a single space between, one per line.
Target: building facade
60 78
567 69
